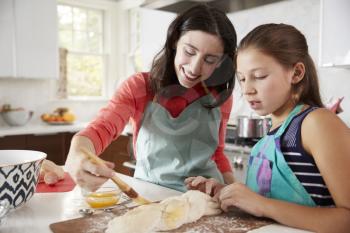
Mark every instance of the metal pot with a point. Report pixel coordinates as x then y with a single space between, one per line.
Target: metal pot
253 127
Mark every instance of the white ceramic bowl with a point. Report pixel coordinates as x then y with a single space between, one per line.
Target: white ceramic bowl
19 175
17 117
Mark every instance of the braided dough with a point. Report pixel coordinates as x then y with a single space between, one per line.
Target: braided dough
169 214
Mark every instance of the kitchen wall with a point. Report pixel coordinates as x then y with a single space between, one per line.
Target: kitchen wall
305 15
39 95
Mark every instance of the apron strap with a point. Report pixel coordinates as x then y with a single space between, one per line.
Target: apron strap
286 122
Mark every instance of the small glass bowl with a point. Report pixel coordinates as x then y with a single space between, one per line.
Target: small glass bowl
103 197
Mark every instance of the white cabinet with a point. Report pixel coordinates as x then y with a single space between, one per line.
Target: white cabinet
335 34
33 38
7 66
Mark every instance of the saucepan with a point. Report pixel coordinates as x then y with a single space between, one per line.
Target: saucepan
253 126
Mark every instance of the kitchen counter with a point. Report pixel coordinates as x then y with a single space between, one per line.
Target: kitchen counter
40 128
46 208
43 128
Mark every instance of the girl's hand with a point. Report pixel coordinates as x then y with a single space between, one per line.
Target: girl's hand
208 186
240 196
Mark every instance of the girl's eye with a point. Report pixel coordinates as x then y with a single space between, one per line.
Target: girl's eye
260 77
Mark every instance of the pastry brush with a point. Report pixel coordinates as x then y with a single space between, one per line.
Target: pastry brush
124 187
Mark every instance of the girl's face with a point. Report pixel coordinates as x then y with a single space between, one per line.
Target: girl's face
197 55
265 83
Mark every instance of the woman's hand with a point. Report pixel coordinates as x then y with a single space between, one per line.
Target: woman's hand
240 196
208 186
85 172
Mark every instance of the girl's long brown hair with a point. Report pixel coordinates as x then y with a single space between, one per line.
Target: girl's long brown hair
288 46
203 18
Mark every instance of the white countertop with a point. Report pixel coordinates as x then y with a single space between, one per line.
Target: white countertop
44 128
41 128
46 208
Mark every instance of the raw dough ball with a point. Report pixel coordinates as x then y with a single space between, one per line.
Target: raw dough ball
169 214
50 173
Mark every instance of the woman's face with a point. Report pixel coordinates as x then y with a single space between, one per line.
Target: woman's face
197 55
266 84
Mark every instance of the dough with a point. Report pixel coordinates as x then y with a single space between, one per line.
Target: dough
169 214
50 173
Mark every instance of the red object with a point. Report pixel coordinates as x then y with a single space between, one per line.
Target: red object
65 185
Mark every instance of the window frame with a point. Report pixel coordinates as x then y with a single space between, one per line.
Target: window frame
112 52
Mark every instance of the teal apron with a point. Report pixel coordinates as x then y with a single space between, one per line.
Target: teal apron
168 150
268 172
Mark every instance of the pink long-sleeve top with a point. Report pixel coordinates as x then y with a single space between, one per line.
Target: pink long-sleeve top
128 105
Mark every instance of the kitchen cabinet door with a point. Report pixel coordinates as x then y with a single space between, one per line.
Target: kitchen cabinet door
6 39
335 34
67 139
17 142
118 152
52 144
36 38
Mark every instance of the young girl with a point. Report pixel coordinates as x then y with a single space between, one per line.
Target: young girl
303 162
179 110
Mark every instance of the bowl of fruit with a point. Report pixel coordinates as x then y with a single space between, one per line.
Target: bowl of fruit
61 116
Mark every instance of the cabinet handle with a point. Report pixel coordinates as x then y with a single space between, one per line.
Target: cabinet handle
44 134
130 164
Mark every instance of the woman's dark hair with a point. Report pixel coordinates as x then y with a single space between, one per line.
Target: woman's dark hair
204 18
287 46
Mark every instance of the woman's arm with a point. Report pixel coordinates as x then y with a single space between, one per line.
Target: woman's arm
127 102
106 127
221 160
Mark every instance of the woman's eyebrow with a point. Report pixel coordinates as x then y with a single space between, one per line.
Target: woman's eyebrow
193 47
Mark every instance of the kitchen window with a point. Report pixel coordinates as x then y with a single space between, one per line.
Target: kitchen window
81 37
93 48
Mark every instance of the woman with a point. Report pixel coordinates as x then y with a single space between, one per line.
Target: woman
179 110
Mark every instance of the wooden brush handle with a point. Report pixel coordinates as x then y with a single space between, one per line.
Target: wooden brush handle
130 192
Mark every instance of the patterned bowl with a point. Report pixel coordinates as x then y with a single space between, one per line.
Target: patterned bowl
19 174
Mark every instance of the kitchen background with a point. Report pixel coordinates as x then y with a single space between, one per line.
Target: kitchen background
33 75
40 94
